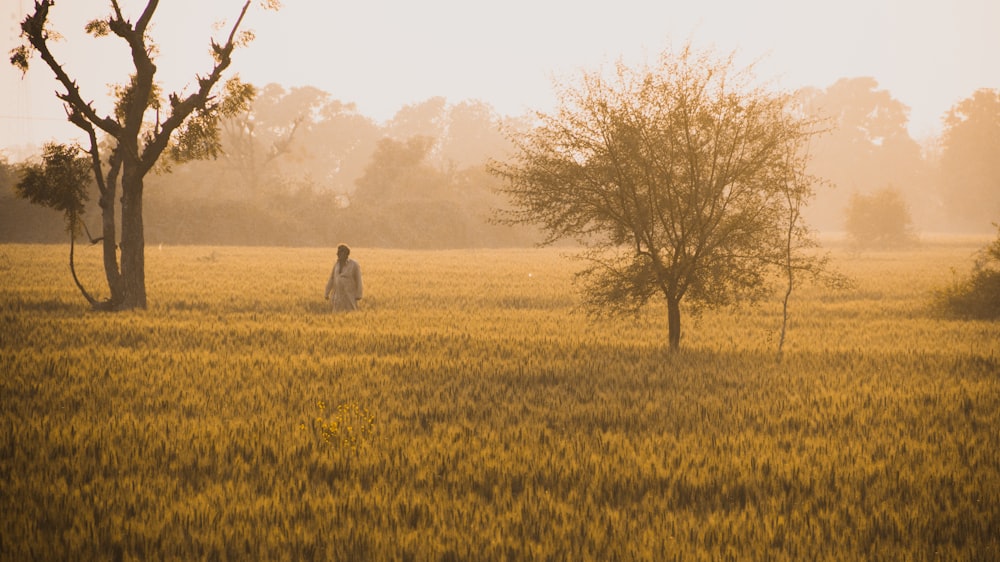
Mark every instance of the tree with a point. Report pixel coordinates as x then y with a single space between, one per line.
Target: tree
427 118
674 177
254 138
141 128
473 135
60 182
879 220
969 161
398 171
866 147
339 145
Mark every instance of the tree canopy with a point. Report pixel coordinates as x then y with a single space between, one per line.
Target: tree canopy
879 220
865 147
970 161
677 177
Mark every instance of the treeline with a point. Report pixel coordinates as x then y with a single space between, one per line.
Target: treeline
303 169
302 218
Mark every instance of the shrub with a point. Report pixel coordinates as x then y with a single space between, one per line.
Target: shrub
880 220
977 296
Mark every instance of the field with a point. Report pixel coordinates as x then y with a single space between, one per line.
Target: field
470 412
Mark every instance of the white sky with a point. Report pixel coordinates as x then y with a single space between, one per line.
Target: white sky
383 54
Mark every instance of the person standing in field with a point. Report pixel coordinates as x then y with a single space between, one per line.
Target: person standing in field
344 288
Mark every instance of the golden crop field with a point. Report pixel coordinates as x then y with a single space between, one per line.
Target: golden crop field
470 412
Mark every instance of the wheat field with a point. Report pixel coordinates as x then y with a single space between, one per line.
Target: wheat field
470 411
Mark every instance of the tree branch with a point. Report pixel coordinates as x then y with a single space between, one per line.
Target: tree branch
33 27
181 108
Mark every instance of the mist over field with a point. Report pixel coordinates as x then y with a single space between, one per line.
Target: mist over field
420 180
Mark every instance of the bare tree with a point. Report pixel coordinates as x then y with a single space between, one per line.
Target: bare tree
799 260
140 130
673 177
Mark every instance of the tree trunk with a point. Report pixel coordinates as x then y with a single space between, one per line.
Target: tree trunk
784 304
72 268
109 233
133 245
674 323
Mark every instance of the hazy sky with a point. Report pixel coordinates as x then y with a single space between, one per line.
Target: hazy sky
383 54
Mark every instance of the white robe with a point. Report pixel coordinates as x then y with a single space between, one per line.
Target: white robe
345 286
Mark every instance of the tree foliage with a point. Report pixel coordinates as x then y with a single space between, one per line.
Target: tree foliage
59 182
398 172
866 146
970 164
674 177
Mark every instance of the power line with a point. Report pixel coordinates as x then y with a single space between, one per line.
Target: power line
31 118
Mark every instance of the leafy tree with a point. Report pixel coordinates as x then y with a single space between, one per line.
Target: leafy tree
473 135
141 128
978 295
60 182
427 118
970 160
254 138
285 140
398 171
336 146
879 220
674 178
867 146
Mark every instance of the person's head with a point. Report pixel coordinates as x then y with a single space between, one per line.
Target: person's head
343 251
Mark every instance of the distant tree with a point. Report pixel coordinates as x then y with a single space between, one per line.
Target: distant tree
970 160
473 135
7 174
337 147
673 176
880 220
20 220
425 119
141 129
866 146
60 182
398 171
978 295
286 139
254 138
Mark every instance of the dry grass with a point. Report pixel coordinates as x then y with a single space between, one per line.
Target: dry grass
488 420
